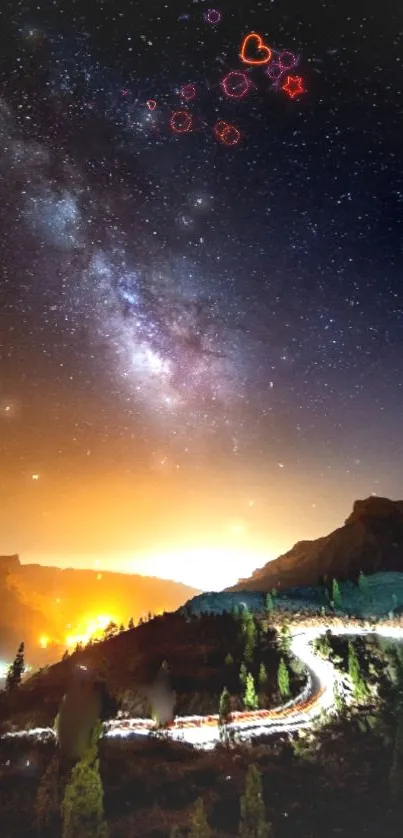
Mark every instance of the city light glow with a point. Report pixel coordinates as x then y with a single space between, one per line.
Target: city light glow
91 628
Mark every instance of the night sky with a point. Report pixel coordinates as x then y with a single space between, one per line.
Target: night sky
201 333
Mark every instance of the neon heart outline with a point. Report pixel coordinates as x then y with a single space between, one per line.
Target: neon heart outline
261 46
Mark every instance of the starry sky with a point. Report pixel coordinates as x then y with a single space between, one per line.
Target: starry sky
201 295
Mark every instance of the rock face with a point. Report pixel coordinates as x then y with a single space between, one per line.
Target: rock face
371 540
9 564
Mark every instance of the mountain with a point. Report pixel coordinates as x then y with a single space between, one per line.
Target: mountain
371 540
18 619
38 600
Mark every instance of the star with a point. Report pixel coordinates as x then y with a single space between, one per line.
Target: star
293 86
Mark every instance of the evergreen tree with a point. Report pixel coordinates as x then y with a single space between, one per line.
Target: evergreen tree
283 679
269 603
243 673
263 677
199 827
354 671
363 585
121 628
225 707
249 635
16 670
130 624
284 637
224 716
250 698
323 645
396 769
229 660
110 631
47 809
336 595
339 702
253 818
82 806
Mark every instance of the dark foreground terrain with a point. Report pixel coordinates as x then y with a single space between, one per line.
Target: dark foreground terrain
339 787
336 780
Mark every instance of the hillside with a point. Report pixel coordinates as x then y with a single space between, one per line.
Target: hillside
371 540
128 664
48 601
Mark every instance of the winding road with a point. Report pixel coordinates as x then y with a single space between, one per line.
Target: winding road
203 731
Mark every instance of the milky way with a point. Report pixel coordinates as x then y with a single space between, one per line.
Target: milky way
192 292
166 330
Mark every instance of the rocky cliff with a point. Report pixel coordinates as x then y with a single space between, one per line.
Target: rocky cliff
371 540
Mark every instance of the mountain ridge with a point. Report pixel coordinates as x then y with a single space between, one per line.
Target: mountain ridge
370 540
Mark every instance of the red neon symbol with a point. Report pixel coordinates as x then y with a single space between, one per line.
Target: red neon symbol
293 86
181 122
226 134
252 45
188 92
235 85
151 104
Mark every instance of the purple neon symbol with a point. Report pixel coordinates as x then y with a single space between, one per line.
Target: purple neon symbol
213 16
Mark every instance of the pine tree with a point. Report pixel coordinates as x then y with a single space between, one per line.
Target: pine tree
250 698
284 638
121 628
225 707
199 827
253 822
243 673
363 585
47 809
224 716
110 630
16 670
354 671
269 603
336 595
396 769
82 805
283 679
263 677
249 634
130 624
338 699
229 660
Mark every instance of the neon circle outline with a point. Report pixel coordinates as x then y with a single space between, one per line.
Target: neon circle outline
224 84
218 18
186 127
188 87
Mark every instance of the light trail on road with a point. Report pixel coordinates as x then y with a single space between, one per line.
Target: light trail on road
316 698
